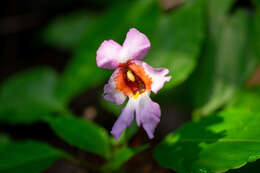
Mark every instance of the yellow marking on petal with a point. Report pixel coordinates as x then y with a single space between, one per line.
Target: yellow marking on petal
136 95
130 76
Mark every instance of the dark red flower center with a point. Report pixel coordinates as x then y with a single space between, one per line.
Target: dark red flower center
132 79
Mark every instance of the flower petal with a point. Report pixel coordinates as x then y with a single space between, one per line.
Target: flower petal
107 54
124 120
135 46
147 114
111 93
158 76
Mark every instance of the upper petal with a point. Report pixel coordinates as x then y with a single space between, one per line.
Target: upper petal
124 120
108 54
111 93
135 46
147 114
158 76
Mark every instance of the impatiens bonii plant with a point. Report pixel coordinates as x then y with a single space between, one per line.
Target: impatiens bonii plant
134 79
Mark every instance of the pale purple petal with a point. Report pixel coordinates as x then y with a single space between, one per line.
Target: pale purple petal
158 75
124 120
108 54
111 93
147 114
136 45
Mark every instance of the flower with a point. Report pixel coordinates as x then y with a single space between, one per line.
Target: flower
133 78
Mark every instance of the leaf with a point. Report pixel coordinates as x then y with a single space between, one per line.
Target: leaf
143 15
83 134
250 100
217 143
253 50
255 33
120 156
4 139
29 96
256 3
250 167
217 14
178 40
66 31
27 156
225 68
82 71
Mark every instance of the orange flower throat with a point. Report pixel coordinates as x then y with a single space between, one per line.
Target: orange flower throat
132 79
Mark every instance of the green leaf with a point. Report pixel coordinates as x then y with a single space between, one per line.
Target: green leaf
120 156
217 13
256 3
143 15
217 143
27 156
82 133
255 33
4 139
250 100
29 96
66 31
250 167
225 68
178 40
82 71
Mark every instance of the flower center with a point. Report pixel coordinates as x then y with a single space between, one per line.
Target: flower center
134 82
132 79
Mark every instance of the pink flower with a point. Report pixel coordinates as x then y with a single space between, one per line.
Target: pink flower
133 78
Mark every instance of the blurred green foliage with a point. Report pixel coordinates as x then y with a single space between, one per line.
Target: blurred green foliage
178 40
227 67
213 47
29 96
83 134
72 27
27 156
120 156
